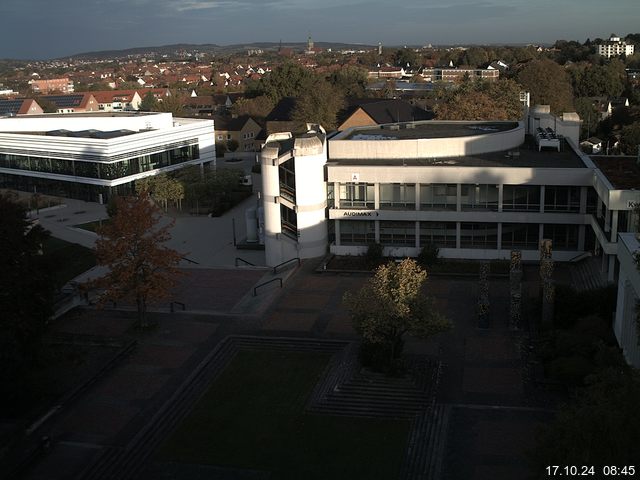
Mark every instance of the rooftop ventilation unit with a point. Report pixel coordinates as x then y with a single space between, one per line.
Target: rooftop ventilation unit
410 126
394 127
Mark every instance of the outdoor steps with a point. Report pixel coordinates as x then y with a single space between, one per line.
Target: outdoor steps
427 445
126 463
289 344
586 275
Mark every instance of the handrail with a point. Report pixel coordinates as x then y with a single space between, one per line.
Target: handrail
275 269
190 261
243 260
255 289
579 257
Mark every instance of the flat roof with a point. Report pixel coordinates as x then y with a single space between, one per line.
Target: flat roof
86 114
623 172
527 156
429 129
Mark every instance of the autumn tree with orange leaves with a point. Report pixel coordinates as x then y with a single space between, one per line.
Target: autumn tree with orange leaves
132 247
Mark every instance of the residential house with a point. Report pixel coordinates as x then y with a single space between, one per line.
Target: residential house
19 106
45 87
371 111
73 102
244 130
118 100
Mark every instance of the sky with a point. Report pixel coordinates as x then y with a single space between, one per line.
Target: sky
43 29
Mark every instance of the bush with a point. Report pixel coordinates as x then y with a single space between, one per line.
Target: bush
377 357
571 370
428 255
373 258
571 305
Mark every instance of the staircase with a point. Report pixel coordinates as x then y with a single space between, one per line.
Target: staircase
586 274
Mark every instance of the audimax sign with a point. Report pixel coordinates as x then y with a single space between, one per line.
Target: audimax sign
360 213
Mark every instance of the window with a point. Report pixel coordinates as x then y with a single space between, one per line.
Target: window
522 236
521 198
438 196
287 176
398 233
479 197
356 195
220 137
397 195
562 199
354 232
479 235
289 222
228 136
440 234
563 237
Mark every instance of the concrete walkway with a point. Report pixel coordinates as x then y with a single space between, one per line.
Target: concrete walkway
208 241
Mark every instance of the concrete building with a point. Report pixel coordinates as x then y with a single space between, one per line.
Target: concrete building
476 190
615 47
52 85
92 156
625 325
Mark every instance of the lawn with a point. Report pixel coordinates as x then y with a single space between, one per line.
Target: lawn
67 260
253 417
92 226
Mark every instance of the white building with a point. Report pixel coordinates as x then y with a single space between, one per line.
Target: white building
476 190
615 47
625 325
94 155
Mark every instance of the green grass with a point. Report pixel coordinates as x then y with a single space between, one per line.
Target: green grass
253 417
67 260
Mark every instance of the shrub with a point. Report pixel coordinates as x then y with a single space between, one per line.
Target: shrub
376 357
571 370
428 255
374 257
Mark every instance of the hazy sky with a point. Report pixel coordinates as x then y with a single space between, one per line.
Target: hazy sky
54 28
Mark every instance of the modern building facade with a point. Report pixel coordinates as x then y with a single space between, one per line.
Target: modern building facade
92 156
625 326
476 190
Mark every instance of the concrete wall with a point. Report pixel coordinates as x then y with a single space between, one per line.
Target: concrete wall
425 147
624 325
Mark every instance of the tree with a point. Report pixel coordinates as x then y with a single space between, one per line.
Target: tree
392 304
257 107
589 115
287 80
140 267
162 188
149 103
26 286
601 427
630 139
173 104
351 80
319 104
548 83
476 100
405 56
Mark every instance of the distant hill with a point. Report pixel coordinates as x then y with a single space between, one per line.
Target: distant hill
210 48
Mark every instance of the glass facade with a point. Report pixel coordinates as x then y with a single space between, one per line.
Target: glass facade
479 197
101 170
287 175
398 233
289 222
564 237
440 234
357 232
479 235
357 195
438 196
397 195
562 199
520 236
521 198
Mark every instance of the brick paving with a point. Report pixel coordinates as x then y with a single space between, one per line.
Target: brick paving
481 366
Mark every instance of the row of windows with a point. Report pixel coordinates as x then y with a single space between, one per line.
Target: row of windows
523 236
105 171
472 197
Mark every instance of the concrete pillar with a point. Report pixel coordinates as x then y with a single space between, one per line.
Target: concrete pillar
614 226
581 236
612 268
417 196
541 201
458 198
336 195
500 197
377 230
270 195
583 200
417 234
458 233
499 234
599 208
607 221
336 231
376 196
540 232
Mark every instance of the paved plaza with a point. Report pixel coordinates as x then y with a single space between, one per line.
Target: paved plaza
489 414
